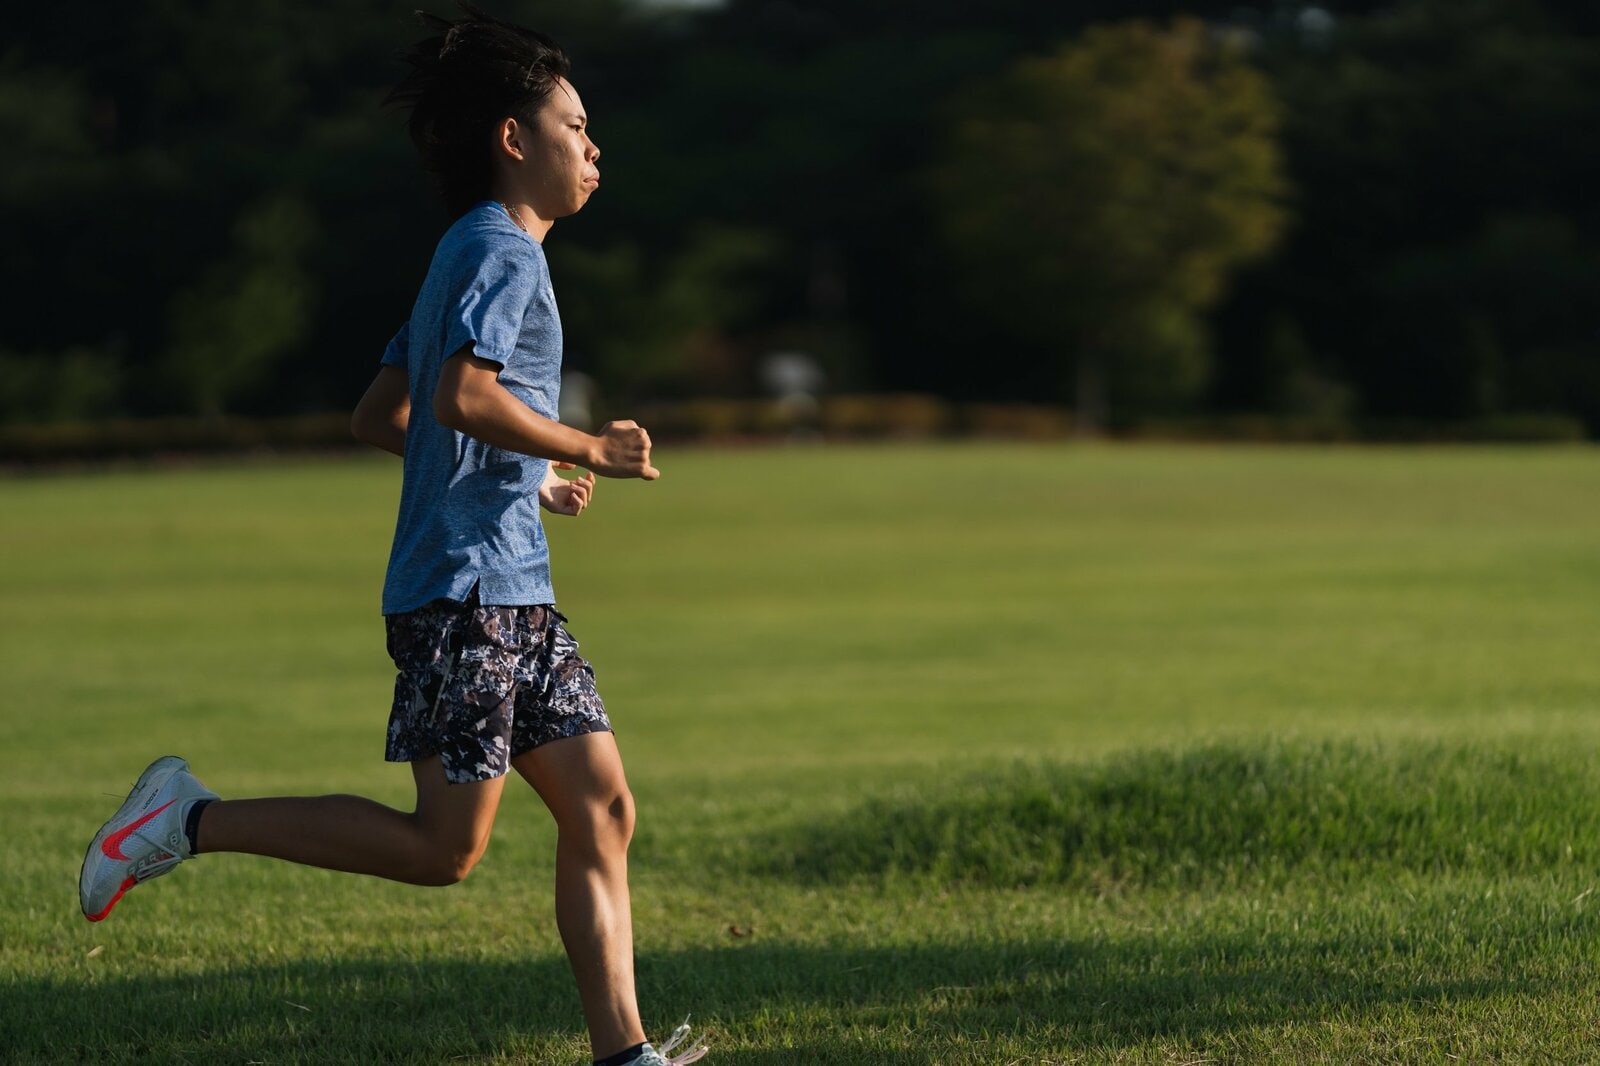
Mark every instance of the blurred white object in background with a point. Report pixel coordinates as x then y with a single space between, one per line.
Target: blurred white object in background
578 395
794 379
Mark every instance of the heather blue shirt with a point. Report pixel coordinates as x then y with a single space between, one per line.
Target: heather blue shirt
469 512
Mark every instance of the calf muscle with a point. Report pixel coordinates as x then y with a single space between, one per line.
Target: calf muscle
437 844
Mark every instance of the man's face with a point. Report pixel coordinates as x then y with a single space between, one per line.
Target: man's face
563 173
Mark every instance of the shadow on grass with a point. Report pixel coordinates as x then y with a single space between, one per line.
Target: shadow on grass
762 1003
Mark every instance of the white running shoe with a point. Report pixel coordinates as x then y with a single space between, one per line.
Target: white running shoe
144 839
654 1057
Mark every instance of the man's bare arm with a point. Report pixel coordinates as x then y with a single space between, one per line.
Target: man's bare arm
471 400
381 417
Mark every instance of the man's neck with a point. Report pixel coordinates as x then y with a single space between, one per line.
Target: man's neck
523 216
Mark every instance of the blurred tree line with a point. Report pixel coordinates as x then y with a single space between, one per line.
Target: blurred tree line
1136 208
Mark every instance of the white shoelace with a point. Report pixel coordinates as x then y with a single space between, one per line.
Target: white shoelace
694 1053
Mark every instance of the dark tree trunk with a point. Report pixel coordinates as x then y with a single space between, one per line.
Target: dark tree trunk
1089 395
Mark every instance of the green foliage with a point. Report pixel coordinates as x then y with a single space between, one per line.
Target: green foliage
1099 198
45 124
1439 260
1293 382
51 169
1446 254
1504 296
57 386
668 327
242 315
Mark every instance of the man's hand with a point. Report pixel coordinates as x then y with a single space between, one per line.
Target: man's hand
623 450
562 496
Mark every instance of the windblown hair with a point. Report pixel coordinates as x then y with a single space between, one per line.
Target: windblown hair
464 80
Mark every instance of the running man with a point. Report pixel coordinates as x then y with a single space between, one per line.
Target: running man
488 679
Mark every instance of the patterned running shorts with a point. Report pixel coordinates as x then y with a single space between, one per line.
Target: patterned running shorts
478 686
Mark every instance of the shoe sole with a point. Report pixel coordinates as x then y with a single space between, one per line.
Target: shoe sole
166 762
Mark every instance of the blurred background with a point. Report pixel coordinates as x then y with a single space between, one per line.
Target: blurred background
1287 220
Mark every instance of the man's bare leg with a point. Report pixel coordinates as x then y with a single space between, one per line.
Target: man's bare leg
581 780
437 844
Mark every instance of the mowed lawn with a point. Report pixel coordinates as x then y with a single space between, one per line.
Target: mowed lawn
976 754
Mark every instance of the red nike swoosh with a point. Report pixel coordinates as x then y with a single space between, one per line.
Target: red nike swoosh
112 845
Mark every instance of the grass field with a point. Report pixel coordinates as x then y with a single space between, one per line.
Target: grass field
978 754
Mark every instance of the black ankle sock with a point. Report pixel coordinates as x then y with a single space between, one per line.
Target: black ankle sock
622 1058
191 823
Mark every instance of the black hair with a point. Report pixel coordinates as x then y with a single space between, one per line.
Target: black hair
465 79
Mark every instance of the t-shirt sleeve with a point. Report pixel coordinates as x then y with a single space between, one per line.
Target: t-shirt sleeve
399 348
490 301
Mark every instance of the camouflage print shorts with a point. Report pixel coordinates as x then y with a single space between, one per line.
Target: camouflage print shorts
478 686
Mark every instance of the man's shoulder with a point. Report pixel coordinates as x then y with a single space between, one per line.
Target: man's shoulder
486 234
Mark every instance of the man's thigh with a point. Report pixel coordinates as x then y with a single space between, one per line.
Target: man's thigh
573 774
459 814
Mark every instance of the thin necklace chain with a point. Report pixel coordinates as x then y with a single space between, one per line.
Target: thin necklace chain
515 217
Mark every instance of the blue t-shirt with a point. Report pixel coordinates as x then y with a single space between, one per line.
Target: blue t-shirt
469 512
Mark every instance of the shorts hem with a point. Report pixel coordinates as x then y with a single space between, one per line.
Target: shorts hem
595 726
456 777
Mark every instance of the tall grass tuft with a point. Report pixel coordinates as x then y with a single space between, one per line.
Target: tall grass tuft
1224 813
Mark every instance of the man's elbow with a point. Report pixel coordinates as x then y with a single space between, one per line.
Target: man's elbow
361 426
450 411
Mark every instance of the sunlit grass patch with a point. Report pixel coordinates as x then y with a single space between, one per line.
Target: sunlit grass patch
944 755
1236 814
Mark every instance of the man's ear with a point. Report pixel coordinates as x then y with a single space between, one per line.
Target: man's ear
508 138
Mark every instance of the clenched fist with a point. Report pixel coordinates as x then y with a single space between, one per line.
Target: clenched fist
622 449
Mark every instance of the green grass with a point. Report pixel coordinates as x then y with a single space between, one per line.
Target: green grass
988 754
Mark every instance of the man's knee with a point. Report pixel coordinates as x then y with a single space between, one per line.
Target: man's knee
445 868
601 825
620 814
444 861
